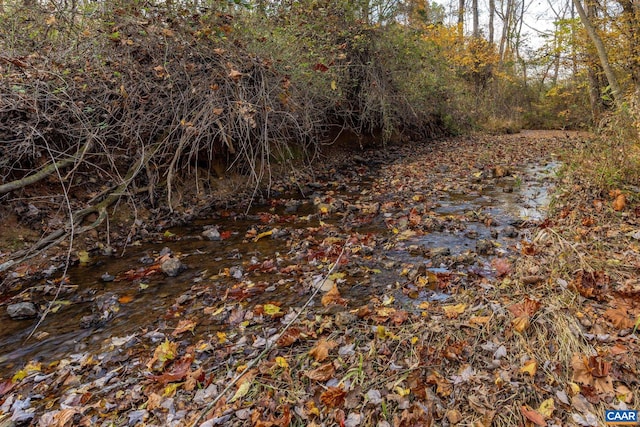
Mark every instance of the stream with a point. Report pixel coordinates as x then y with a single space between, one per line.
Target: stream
272 254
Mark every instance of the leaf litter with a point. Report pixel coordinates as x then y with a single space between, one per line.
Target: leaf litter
434 307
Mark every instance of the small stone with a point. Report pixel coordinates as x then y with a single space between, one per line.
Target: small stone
211 234
106 277
510 231
22 310
172 267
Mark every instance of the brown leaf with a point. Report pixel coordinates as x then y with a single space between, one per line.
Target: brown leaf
178 371
184 325
619 203
533 415
333 297
502 266
289 337
333 397
321 351
591 285
592 371
528 307
323 373
235 75
619 317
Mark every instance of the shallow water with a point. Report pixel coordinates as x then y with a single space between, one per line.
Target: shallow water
151 302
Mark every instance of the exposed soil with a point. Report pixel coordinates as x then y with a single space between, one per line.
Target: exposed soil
422 284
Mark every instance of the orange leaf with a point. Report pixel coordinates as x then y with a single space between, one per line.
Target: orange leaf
533 415
619 317
333 397
619 203
333 297
321 351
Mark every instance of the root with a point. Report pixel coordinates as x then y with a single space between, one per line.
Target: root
59 235
46 171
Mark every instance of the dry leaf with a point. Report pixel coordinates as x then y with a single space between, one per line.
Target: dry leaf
546 408
290 336
333 397
323 373
530 367
321 351
333 297
619 203
452 311
235 75
183 326
533 416
619 317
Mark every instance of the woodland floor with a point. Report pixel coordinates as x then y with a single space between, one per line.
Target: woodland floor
393 287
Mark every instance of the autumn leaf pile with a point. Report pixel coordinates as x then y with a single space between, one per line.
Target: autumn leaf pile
533 329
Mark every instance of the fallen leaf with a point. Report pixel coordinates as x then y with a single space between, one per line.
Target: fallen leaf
183 326
321 351
271 309
533 416
162 354
289 337
333 397
452 311
530 367
323 373
242 391
619 203
546 408
333 297
619 316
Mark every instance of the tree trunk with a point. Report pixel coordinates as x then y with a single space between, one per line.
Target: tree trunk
492 12
476 24
506 25
602 54
461 19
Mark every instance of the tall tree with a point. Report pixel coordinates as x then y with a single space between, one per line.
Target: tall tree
616 91
476 24
492 12
461 18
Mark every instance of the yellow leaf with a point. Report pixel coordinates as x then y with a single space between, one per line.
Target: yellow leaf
547 407
530 367
424 305
388 299
261 235
170 389
282 362
414 340
167 234
452 311
271 309
241 392
83 257
334 85
50 20
222 337
212 311
520 323
19 376
402 391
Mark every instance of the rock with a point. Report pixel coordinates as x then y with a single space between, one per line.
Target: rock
106 277
510 231
211 234
22 310
440 252
484 247
172 267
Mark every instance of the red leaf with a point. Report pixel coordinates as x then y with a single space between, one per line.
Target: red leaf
320 67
